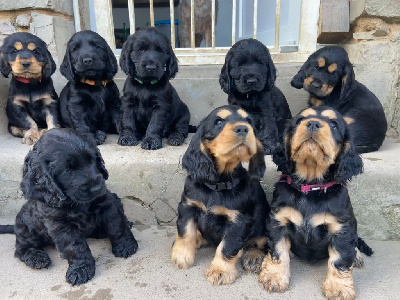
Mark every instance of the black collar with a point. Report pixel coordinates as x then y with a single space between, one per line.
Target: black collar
219 186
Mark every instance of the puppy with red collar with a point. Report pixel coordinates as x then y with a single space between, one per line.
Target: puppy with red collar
312 215
32 105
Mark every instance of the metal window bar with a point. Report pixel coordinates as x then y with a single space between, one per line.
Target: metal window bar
131 11
277 26
152 13
192 30
255 19
172 20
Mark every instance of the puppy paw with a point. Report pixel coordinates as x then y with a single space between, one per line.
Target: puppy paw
339 287
217 274
36 259
176 139
125 248
151 143
182 255
32 136
80 273
100 137
127 140
274 275
252 260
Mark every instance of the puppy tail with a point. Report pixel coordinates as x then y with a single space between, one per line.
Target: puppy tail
363 247
192 129
7 229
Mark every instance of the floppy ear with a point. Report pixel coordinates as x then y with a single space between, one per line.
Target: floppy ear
271 75
348 82
112 67
257 163
198 164
225 77
349 162
125 62
298 79
100 164
66 68
5 67
172 65
38 184
50 67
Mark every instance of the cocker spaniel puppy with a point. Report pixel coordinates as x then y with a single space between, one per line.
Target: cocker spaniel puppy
32 105
312 214
90 102
151 108
222 203
68 201
329 77
248 77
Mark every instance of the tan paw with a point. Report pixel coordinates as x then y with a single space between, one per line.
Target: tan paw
252 260
274 275
31 136
339 288
218 275
182 256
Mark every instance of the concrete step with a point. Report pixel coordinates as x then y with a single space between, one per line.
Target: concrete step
149 274
151 182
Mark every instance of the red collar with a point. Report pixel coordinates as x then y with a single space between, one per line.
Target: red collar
28 80
305 188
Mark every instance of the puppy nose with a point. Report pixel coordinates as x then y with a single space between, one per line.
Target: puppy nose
87 61
316 84
26 64
313 126
251 80
151 68
241 130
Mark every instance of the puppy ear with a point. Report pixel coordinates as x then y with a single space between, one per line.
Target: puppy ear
100 164
125 62
112 67
199 164
271 75
257 163
172 65
5 67
66 68
50 67
38 184
349 162
348 83
281 156
298 79
225 77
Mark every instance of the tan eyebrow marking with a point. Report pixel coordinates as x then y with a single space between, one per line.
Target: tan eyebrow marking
308 112
18 46
242 113
329 113
224 113
332 68
321 62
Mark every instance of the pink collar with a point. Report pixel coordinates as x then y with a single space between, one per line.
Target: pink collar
305 188
27 80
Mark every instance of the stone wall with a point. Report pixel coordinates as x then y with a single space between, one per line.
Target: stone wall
52 21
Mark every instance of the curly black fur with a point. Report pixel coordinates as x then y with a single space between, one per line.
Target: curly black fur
90 102
151 107
248 77
68 201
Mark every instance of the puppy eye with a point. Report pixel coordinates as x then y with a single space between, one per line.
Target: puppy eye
219 122
96 46
316 67
35 51
158 49
333 125
15 50
249 121
141 49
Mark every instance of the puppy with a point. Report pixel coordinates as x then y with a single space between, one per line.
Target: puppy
90 102
32 104
311 211
68 201
248 77
151 108
202 22
329 78
222 203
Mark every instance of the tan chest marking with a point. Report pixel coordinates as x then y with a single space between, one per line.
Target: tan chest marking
195 203
328 220
288 214
231 214
45 98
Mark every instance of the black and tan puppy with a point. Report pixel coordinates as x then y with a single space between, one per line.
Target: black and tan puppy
222 203
32 104
68 201
90 102
248 77
329 77
151 108
312 214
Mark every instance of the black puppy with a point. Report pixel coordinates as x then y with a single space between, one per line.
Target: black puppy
32 101
151 108
248 77
68 201
90 102
312 214
329 78
222 203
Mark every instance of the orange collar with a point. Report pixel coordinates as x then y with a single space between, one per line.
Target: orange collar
96 82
